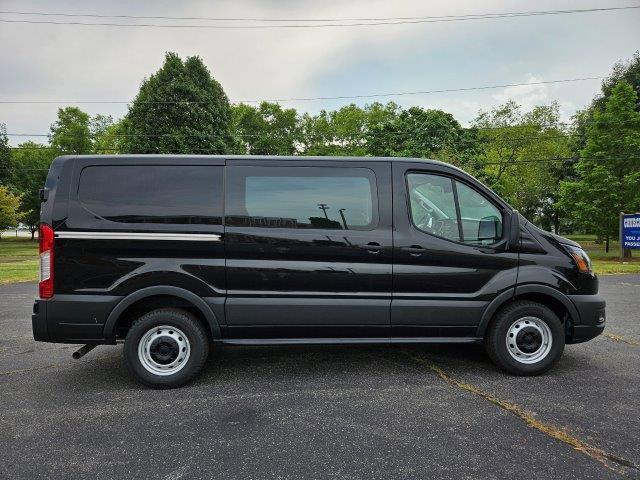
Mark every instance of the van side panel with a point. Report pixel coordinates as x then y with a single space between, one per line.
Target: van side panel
442 287
309 263
134 224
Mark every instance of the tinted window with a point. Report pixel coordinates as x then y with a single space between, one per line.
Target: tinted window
153 194
440 206
433 206
481 220
301 197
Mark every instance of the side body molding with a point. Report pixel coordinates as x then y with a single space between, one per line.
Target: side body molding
191 297
522 290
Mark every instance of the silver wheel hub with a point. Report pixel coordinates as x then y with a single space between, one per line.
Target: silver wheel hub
164 350
529 340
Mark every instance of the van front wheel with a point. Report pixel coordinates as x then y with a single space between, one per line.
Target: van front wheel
525 338
166 348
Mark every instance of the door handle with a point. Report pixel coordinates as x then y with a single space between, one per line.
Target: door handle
414 250
372 247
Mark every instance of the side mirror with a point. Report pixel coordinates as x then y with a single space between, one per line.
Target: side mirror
488 228
514 231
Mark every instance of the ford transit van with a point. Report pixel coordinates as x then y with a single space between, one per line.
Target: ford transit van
173 255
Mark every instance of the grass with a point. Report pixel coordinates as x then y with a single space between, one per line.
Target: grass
19 258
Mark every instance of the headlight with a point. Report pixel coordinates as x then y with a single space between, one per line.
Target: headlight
583 262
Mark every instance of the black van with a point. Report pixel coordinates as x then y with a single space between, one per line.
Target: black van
172 254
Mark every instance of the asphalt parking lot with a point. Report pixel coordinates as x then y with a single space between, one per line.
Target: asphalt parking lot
324 412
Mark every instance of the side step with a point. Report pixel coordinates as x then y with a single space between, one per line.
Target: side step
345 341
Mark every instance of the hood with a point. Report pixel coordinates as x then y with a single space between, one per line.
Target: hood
557 238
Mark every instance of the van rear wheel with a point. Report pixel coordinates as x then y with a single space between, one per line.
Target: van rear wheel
525 338
166 348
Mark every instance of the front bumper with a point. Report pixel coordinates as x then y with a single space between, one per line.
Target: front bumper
591 309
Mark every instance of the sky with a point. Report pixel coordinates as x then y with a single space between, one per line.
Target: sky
72 63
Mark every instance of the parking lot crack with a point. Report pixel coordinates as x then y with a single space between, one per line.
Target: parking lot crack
25 370
621 339
34 350
612 462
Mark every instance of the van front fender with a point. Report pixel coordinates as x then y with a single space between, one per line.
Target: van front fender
520 290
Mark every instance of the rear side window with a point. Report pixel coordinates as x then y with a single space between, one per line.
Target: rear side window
302 198
153 193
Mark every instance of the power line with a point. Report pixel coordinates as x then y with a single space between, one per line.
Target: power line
20 169
558 159
351 22
149 135
508 162
307 99
506 128
334 19
541 135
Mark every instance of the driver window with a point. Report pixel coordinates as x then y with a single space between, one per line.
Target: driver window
433 207
433 200
481 220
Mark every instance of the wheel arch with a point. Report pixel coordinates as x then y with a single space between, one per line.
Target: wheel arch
548 296
188 298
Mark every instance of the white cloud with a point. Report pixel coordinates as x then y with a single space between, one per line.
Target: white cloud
529 95
43 62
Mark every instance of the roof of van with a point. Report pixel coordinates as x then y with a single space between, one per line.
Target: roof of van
183 158
59 161
166 156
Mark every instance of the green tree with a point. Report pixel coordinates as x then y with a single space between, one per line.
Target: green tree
266 130
623 71
179 109
109 137
71 132
344 131
416 132
336 132
609 168
517 158
29 165
5 155
317 134
9 209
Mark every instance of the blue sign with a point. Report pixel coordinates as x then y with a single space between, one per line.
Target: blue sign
631 231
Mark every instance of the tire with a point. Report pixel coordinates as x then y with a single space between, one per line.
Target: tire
539 338
166 348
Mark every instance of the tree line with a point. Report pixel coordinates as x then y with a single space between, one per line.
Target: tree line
565 177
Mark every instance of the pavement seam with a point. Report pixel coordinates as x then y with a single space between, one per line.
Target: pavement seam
35 369
621 339
36 350
561 434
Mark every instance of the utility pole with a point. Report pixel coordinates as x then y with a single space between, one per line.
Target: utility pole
344 220
324 208
620 236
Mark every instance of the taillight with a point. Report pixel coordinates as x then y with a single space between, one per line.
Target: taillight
45 235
